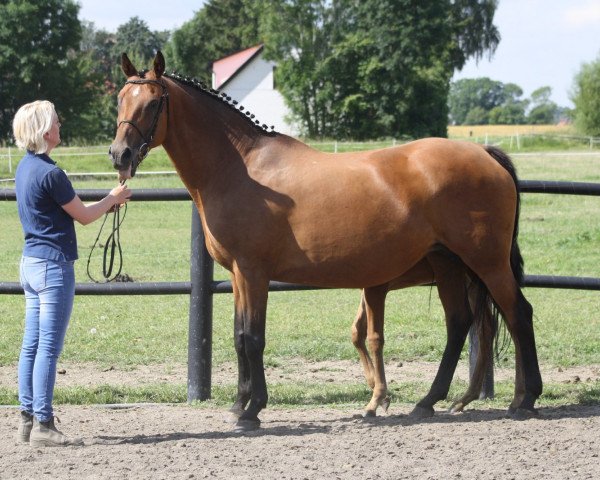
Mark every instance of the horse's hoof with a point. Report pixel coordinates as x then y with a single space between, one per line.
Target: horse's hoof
246 425
523 413
457 408
386 404
422 412
231 417
369 414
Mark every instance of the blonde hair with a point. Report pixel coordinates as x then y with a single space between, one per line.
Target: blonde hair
30 124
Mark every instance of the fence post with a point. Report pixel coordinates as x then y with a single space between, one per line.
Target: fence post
487 388
200 320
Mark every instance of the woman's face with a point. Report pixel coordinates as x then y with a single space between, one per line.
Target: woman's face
52 136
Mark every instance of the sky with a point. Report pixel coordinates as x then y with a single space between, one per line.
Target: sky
544 42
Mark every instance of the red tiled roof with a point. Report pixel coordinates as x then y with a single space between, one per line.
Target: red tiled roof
227 67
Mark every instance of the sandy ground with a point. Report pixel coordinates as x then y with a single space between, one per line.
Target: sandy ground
181 441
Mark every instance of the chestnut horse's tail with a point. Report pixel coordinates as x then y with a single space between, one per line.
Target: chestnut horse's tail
485 312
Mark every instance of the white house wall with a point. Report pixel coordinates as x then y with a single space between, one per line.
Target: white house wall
252 87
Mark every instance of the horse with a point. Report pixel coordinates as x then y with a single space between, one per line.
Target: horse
273 208
466 303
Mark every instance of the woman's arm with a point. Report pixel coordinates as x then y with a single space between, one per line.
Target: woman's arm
86 214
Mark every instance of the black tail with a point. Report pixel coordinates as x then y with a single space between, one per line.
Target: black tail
516 259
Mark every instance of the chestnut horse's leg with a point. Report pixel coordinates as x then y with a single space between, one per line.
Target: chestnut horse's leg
420 274
359 336
251 292
374 301
454 284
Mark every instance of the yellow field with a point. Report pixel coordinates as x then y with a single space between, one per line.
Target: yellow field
464 131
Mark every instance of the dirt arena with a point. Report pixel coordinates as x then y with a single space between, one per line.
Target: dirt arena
184 442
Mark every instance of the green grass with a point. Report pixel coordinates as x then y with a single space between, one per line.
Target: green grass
560 235
303 394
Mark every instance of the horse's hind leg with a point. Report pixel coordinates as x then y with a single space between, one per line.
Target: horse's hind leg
450 278
374 301
518 314
359 336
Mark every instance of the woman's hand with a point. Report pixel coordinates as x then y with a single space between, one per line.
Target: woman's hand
120 195
86 214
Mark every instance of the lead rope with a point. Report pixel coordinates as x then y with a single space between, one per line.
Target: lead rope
113 243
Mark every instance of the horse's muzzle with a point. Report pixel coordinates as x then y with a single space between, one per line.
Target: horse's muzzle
122 161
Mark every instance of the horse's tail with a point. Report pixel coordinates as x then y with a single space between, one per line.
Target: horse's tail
516 259
485 311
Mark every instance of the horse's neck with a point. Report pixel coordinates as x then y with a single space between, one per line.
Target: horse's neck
210 144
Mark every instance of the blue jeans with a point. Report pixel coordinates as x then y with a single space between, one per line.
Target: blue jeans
49 292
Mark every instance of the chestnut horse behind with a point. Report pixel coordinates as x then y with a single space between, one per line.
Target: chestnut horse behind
273 208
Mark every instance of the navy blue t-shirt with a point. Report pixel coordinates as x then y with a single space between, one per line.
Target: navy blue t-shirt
42 188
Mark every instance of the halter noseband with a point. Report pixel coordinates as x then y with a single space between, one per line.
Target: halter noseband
147 140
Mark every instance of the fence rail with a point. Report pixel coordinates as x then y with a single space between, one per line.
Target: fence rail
202 286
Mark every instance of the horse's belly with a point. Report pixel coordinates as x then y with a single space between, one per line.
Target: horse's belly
355 264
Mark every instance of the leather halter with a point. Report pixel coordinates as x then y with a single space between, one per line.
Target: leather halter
144 148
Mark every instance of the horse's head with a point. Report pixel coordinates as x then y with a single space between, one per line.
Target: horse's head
142 116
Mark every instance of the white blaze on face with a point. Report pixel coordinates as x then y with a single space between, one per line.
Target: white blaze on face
136 91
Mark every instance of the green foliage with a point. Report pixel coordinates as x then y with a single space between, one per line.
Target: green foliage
481 101
586 97
220 28
138 41
39 42
374 68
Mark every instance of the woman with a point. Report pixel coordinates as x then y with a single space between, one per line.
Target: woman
47 206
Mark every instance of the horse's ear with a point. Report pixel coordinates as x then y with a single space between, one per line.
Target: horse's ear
128 69
159 64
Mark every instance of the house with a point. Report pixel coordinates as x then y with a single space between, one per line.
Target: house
248 78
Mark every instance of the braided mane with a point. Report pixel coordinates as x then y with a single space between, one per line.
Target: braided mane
222 96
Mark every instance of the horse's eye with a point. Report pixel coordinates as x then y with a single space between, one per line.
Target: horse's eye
152 105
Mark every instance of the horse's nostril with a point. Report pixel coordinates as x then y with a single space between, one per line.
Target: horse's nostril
126 156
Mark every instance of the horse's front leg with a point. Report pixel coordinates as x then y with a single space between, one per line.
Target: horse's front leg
486 325
250 318
374 301
450 278
244 384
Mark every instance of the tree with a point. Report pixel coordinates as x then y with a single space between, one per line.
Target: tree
138 41
376 67
38 60
97 52
99 56
544 111
479 94
586 97
479 101
298 35
221 28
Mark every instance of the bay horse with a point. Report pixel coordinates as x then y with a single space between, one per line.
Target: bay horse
273 208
